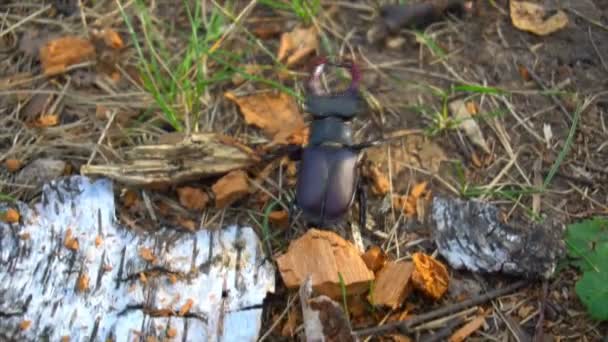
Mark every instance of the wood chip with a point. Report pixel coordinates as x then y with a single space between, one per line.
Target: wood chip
11 216
192 198
323 255
58 54
374 258
279 219
186 307
230 188
430 276
13 165
392 285
468 329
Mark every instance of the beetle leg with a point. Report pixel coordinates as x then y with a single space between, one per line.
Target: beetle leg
362 197
367 144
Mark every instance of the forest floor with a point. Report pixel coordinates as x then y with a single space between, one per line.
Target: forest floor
539 101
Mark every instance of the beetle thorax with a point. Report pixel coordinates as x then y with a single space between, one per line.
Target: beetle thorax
331 131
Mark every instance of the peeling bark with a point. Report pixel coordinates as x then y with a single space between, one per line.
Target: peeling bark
221 273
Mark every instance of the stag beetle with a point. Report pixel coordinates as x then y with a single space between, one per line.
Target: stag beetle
328 179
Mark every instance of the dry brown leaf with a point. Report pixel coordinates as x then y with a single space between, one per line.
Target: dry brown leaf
70 242
112 39
230 188
468 329
13 165
468 124
374 258
277 114
25 324
47 120
186 307
171 332
83 283
532 17
11 216
472 108
430 276
146 254
279 219
186 223
60 53
192 198
297 44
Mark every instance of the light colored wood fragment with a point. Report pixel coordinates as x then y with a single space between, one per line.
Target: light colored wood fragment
393 284
323 255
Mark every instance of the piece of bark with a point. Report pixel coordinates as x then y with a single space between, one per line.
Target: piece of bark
470 235
323 255
205 285
324 319
197 156
393 284
230 188
468 329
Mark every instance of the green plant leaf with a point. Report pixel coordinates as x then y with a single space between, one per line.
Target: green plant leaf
587 243
592 289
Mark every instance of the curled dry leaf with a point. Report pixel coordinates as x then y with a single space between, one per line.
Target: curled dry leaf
468 124
11 216
430 276
532 17
192 198
60 53
277 114
230 188
13 165
297 44
374 258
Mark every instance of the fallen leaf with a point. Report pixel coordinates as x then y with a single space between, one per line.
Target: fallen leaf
58 54
532 17
11 216
70 242
468 329
146 254
83 283
186 223
47 120
374 258
276 114
392 285
472 107
430 276
468 124
250 69
297 44
279 219
186 307
111 38
171 332
192 198
25 324
323 255
230 188
13 165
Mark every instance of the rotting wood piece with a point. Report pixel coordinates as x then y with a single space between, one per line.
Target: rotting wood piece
196 156
393 284
323 255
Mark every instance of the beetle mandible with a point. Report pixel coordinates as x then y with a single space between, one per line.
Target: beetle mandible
328 179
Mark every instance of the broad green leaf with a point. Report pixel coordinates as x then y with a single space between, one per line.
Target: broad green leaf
592 289
587 242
